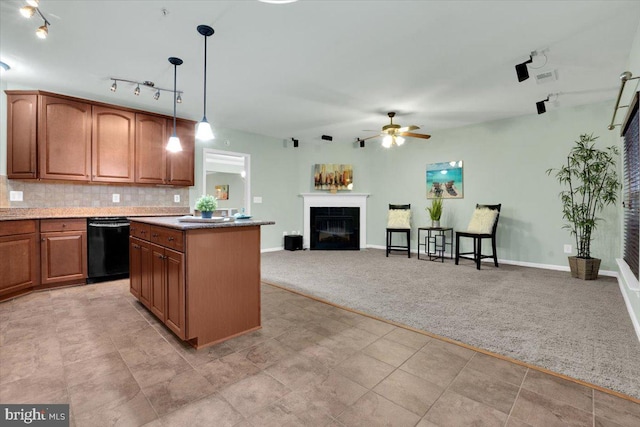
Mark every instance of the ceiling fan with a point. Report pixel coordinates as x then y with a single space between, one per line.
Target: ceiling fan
393 134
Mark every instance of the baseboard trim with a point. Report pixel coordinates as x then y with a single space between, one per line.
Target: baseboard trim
276 249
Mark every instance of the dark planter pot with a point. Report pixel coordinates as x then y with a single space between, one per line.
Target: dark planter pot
584 268
208 214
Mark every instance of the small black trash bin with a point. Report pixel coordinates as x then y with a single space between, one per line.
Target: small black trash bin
293 242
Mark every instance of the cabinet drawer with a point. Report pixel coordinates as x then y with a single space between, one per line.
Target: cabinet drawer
21 226
139 230
67 224
168 237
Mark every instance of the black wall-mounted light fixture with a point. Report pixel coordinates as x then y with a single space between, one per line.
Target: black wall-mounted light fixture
541 107
361 141
327 138
295 142
522 71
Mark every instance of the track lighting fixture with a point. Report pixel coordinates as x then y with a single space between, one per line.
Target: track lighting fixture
203 128
174 142
146 83
295 142
28 11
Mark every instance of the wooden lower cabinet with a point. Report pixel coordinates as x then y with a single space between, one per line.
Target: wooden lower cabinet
18 257
204 283
157 279
63 251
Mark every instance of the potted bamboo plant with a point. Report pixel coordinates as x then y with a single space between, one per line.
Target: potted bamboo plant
591 180
435 211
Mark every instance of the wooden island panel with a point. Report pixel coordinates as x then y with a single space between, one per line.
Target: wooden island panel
223 291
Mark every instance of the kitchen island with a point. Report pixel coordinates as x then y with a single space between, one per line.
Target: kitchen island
201 279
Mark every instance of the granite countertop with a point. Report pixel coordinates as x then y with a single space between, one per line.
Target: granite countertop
8 214
172 222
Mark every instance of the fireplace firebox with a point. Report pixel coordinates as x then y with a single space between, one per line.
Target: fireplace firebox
335 228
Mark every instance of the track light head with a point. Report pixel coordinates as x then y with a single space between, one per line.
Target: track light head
42 31
522 71
136 92
157 95
114 86
179 99
27 11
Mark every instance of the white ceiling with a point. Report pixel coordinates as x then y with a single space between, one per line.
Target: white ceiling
326 67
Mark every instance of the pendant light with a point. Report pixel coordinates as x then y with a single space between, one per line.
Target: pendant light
203 129
174 142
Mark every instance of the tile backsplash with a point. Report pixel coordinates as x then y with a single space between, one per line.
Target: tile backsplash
38 194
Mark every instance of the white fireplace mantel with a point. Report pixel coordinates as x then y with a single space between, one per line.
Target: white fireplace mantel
346 200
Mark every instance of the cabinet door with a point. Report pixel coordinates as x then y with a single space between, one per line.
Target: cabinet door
18 262
158 273
63 257
151 138
175 311
135 267
113 145
21 136
64 139
180 164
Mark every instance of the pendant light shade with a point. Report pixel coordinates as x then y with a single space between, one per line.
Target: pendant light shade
203 130
174 142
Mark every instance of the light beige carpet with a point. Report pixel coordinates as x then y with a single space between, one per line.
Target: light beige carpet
543 317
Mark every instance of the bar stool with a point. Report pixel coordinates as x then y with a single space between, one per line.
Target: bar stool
399 221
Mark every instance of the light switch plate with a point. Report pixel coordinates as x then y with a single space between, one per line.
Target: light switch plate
567 249
115 198
257 199
176 198
15 196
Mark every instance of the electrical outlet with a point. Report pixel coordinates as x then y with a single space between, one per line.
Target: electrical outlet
115 198
567 249
257 199
176 198
15 196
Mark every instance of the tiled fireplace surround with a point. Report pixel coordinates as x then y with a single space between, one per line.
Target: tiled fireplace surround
38 194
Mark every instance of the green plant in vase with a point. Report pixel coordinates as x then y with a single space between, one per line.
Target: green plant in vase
592 180
435 211
206 205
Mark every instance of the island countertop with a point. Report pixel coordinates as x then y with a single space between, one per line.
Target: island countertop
173 222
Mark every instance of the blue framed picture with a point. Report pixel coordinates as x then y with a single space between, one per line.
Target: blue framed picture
445 180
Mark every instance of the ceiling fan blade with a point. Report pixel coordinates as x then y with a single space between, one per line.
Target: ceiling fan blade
369 137
408 128
415 135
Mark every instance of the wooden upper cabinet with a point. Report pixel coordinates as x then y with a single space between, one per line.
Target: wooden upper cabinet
151 138
21 135
113 145
64 139
180 165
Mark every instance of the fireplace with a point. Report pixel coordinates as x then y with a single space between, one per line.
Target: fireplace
335 228
329 200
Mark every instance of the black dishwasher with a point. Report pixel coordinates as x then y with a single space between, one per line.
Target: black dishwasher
107 248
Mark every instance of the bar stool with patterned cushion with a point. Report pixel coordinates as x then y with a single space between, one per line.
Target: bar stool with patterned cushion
483 225
399 221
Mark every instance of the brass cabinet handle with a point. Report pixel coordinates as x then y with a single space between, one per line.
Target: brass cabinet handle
171 239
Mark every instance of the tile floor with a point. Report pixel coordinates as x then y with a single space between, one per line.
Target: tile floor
311 364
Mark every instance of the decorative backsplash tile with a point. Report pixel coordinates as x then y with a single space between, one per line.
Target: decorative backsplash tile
40 194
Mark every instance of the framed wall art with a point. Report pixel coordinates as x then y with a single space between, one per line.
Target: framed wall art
445 180
328 176
222 192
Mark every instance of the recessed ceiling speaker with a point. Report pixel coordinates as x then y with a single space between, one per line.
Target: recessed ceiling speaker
522 71
327 138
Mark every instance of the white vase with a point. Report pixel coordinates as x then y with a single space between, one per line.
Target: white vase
435 224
